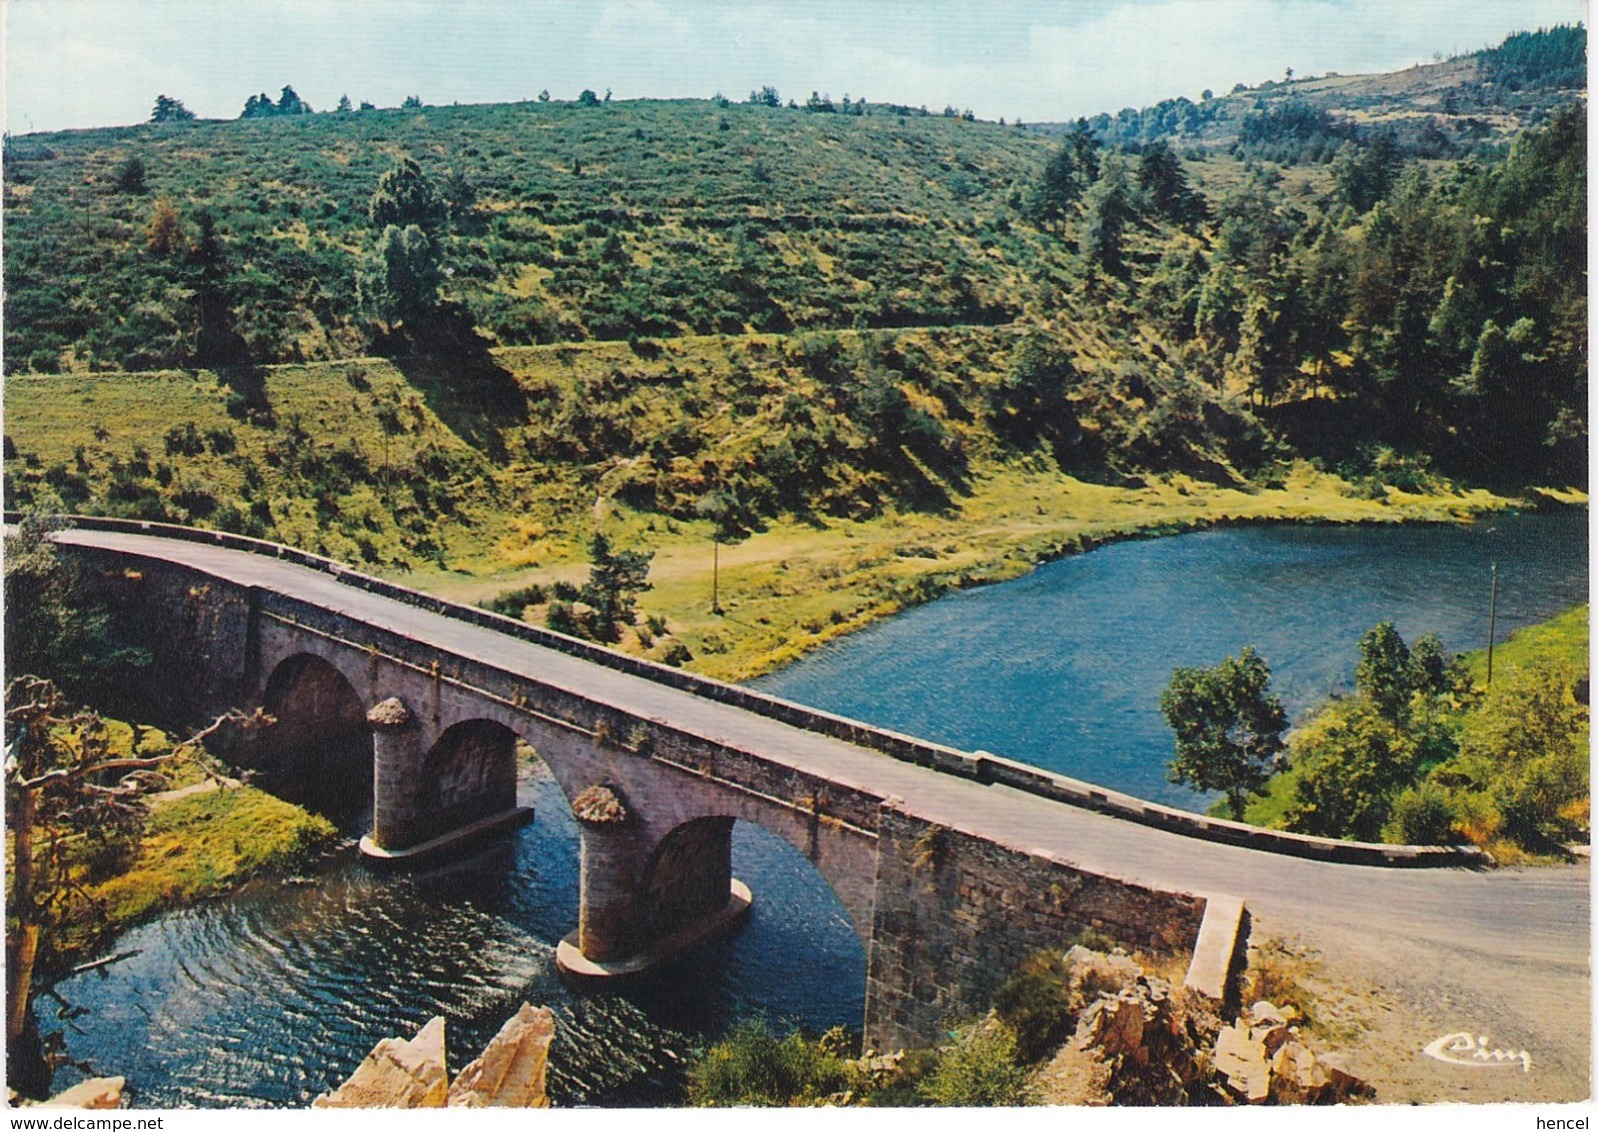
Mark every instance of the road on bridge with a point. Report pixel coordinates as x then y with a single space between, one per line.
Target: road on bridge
1415 953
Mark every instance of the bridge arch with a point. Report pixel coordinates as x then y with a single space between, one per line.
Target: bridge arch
468 774
687 877
844 859
319 751
798 916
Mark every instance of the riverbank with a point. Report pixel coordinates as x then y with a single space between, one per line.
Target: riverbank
200 840
1498 760
793 587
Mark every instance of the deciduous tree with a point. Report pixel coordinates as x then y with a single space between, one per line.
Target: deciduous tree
402 283
1228 727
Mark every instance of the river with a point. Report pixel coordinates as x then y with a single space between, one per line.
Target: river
1064 668
272 996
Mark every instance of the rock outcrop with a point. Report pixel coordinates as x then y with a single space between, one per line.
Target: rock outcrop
96 1092
1133 1043
397 1074
1260 1058
510 1073
414 1074
1094 973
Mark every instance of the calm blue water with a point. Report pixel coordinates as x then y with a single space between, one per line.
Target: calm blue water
1064 668
274 995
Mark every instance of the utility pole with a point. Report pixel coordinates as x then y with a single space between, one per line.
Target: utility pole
715 576
1492 623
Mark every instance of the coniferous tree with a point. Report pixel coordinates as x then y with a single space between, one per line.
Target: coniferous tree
1163 182
615 579
405 196
170 110
290 103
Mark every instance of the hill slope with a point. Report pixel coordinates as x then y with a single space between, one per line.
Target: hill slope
813 322
1469 104
570 223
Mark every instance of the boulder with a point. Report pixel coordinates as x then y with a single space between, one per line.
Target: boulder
96 1092
397 1074
1264 1013
1296 1076
1241 1062
510 1073
1260 1057
1094 973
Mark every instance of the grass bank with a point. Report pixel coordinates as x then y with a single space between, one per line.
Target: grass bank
795 586
206 844
1562 639
200 839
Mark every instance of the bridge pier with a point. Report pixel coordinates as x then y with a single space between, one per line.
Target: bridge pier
397 750
409 817
647 900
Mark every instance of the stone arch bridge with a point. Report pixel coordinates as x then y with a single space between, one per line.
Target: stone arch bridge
952 866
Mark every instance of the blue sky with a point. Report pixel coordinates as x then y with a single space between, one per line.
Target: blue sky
73 63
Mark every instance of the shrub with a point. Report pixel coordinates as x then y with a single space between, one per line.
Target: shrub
129 175
511 603
1035 1002
1422 815
184 440
980 1069
1529 740
754 1067
221 439
561 618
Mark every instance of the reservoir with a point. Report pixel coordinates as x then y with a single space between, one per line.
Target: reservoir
271 997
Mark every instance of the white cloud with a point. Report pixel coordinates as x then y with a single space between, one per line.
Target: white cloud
92 62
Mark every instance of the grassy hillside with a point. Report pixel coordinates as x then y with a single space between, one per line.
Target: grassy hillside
1469 104
571 223
470 501
909 351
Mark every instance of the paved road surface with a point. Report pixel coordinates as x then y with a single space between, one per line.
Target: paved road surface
1501 952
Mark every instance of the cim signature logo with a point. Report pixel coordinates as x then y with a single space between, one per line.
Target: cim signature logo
1464 1048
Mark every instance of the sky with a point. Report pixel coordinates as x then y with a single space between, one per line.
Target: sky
79 63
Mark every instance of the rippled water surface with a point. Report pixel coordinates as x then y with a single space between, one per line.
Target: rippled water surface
273 996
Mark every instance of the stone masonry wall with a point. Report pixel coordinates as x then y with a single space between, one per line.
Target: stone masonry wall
955 915
196 627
